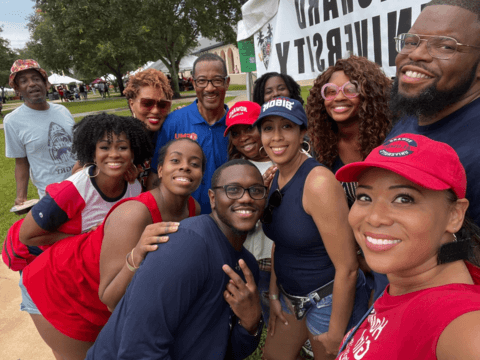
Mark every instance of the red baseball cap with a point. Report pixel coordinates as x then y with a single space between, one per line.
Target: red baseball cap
242 113
431 164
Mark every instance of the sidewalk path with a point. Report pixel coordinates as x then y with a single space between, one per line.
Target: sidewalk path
20 339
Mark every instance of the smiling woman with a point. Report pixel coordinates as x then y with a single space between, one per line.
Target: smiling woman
91 271
409 221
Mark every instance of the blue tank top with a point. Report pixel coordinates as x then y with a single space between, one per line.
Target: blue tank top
301 260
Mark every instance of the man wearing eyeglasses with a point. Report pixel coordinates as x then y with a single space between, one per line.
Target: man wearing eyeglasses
195 297
203 120
437 88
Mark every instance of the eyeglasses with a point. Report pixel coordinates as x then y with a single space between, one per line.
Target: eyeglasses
148 104
274 201
235 192
216 81
330 91
439 47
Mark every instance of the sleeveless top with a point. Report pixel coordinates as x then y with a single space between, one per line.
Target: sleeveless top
63 281
301 260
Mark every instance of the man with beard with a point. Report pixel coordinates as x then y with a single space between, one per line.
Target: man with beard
437 88
38 134
203 120
195 297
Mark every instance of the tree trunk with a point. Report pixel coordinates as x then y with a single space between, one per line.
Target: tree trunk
120 83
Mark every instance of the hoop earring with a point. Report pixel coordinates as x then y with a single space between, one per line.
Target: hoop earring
308 145
260 151
454 238
90 176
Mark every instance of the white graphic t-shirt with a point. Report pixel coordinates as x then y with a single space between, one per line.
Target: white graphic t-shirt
45 138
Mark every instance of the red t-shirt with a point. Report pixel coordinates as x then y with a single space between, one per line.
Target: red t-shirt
409 326
63 281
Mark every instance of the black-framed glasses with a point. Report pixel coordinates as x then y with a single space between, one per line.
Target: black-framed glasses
235 192
439 47
216 81
274 201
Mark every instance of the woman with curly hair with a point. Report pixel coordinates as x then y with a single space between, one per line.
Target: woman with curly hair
149 97
272 85
348 112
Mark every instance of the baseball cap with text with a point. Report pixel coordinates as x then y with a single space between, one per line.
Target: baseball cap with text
242 113
431 164
285 107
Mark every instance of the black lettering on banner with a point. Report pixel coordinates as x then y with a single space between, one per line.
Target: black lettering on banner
310 53
330 6
362 38
347 6
334 46
349 33
301 61
318 42
404 25
377 40
364 3
299 8
283 55
313 12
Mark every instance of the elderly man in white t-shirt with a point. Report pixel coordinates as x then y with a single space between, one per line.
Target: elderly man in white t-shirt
38 134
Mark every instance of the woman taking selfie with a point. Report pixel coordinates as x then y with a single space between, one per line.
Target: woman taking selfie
409 220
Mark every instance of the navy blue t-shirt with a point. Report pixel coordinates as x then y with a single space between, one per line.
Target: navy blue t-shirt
460 130
188 122
302 263
174 307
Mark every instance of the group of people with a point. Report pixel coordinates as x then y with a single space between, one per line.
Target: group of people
350 224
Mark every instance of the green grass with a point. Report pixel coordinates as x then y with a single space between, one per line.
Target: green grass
305 92
98 105
8 192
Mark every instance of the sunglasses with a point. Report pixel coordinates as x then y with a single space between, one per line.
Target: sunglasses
148 104
274 201
330 91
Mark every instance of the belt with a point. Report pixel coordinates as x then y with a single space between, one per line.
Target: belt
300 303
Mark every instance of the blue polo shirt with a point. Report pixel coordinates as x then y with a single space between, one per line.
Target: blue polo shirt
188 122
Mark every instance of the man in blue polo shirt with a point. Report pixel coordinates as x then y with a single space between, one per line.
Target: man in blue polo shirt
203 120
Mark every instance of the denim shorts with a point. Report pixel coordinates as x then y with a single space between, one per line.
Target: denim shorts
27 303
318 316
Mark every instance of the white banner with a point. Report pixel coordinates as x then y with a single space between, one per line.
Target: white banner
307 36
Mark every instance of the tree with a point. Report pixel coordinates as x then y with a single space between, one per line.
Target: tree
7 57
93 36
115 36
173 32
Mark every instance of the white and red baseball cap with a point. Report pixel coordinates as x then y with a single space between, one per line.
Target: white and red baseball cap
431 164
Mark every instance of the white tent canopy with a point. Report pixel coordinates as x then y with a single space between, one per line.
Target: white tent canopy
186 64
56 79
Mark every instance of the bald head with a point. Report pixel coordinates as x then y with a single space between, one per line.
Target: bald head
470 5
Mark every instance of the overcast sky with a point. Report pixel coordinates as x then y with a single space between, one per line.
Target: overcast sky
13 20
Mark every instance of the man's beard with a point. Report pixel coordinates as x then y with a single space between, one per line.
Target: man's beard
431 100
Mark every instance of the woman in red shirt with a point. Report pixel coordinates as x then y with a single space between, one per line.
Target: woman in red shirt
408 218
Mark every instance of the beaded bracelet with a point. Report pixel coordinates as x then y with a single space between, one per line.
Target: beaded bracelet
273 297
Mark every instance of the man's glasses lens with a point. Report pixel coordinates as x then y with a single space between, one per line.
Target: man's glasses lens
236 192
203 83
439 47
150 103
